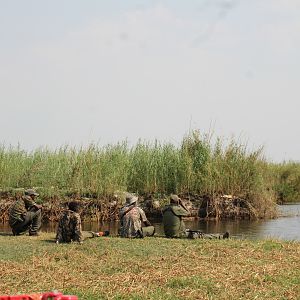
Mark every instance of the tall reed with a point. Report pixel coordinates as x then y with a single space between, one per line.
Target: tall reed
197 166
287 181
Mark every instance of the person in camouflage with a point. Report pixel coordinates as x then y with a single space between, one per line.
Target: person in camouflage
26 214
174 225
172 217
132 219
69 226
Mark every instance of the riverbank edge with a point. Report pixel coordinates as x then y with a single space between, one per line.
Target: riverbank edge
107 208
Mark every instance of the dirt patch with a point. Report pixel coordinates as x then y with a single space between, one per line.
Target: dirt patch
205 207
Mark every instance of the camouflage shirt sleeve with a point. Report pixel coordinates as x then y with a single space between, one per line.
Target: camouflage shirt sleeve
17 212
180 211
29 203
77 228
143 215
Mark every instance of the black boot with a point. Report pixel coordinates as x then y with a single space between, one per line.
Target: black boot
226 235
15 233
33 233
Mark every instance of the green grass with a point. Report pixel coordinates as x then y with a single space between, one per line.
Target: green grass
152 268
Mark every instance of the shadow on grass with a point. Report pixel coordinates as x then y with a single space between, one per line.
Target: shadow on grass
49 241
6 233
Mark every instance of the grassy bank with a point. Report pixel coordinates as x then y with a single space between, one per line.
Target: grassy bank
153 268
197 167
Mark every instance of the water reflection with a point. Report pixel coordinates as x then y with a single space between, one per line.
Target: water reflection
285 227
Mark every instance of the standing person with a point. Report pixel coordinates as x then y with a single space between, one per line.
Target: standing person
172 217
26 214
69 226
133 218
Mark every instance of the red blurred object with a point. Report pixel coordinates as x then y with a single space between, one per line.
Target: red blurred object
46 296
58 296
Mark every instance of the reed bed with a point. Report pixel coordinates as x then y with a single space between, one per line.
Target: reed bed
287 181
152 268
197 166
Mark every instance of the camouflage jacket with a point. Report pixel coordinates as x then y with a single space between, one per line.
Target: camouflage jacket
131 221
69 227
172 220
19 209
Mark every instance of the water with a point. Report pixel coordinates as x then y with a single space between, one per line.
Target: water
286 227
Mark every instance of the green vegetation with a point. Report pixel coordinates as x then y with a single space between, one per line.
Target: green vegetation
198 166
287 181
152 268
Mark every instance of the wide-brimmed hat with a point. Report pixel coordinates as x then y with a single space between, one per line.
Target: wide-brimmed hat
31 192
130 199
174 199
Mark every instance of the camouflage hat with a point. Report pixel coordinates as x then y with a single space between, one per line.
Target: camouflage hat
31 192
75 206
130 199
174 199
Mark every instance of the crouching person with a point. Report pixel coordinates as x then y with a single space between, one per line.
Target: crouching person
133 221
69 226
25 214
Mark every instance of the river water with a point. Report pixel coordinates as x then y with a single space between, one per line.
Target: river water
286 227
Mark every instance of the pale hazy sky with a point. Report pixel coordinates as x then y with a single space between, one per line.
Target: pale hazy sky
72 72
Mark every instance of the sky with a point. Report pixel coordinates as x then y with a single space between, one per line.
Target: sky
74 72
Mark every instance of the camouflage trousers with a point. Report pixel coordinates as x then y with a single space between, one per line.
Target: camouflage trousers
141 233
148 231
32 221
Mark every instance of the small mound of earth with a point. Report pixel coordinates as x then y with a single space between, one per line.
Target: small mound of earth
222 207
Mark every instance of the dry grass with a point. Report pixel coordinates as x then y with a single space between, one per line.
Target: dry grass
153 268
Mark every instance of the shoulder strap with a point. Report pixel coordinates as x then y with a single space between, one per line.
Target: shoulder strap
127 211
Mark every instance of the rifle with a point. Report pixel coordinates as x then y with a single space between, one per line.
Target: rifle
194 234
182 205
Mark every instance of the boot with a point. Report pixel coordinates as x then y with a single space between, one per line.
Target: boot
33 233
15 233
226 235
101 233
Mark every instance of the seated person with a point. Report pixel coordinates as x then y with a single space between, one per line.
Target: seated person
69 226
172 217
132 219
26 214
174 225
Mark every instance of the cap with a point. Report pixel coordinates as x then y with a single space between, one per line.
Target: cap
31 192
